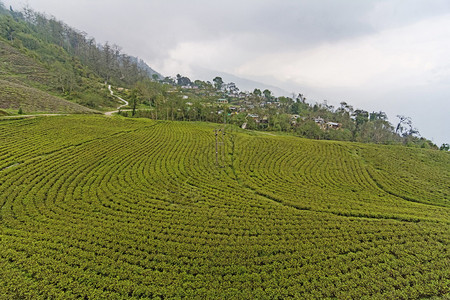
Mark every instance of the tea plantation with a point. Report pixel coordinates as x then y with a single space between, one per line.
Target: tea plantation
94 207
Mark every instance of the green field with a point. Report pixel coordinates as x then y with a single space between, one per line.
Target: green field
111 208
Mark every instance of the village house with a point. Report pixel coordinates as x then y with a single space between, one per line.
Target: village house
233 110
253 116
242 95
295 119
264 120
319 120
333 125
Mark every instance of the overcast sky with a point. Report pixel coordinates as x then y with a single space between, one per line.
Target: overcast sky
391 55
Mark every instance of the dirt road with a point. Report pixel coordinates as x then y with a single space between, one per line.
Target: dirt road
109 113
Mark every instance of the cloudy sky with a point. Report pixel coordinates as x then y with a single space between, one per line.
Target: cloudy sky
390 55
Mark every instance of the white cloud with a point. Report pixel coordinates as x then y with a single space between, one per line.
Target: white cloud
411 55
225 53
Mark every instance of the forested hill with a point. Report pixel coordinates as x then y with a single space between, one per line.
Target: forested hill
40 52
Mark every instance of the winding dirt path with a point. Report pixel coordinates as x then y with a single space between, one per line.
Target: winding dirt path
109 113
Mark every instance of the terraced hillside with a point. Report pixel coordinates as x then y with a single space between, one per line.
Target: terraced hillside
15 96
36 87
17 67
26 84
96 207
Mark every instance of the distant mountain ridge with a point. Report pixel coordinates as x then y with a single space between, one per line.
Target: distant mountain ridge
243 84
144 66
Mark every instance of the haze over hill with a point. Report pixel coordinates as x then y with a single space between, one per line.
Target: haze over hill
243 83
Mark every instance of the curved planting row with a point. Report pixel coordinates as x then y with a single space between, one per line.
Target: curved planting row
140 210
329 176
416 175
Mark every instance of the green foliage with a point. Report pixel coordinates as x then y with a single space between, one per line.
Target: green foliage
46 54
218 82
417 175
114 208
309 129
19 97
282 114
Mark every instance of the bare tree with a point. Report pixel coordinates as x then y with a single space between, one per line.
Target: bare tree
404 127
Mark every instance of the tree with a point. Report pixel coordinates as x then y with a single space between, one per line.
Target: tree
267 94
404 127
183 80
218 82
309 129
64 77
134 100
286 103
169 80
403 120
232 88
280 122
381 115
300 98
257 92
10 30
377 131
345 108
361 116
445 147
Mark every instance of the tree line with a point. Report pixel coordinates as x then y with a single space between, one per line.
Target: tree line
84 57
184 99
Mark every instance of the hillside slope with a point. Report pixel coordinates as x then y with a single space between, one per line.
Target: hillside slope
15 96
17 67
37 88
48 55
26 83
98 207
